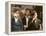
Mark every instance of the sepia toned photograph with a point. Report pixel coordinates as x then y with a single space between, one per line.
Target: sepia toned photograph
26 17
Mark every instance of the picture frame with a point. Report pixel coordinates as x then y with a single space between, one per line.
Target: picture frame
8 17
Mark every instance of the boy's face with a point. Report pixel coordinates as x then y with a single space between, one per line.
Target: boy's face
23 11
27 13
16 14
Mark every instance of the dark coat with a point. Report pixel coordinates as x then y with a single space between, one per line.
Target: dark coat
24 20
16 26
34 25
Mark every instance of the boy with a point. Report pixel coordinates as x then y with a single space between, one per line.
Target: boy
16 22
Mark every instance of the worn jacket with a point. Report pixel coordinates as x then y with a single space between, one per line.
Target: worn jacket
16 26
